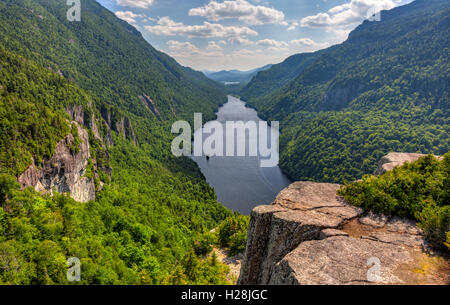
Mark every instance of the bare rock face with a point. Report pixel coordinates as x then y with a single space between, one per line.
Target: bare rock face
338 96
78 115
64 172
147 101
309 235
392 160
125 128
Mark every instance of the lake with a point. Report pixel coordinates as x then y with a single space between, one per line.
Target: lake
240 182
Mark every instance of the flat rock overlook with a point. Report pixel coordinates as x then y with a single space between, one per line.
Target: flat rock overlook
309 235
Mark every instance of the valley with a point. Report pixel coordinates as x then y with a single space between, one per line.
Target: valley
240 182
88 170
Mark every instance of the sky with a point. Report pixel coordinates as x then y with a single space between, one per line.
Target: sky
219 35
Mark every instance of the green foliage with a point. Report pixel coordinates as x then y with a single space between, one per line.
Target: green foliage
28 125
232 233
75 147
277 76
384 89
134 233
204 243
7 185
238 242
416 190
447 244
141 227
107 57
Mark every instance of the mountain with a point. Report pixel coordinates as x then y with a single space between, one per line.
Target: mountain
86 110
276 76
384 89
235 76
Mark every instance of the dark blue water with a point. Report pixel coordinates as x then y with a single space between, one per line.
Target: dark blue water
240 182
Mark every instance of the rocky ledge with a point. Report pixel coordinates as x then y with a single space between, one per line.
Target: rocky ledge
309 235
65 171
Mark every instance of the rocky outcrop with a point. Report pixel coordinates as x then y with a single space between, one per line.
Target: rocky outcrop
125 128
64 172
338 96
394 159
309 235
77 114
147 101
118 123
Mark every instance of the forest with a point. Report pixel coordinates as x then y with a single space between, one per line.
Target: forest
147 222
384 89
156 220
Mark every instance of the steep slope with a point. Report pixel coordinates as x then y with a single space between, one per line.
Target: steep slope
87 106
278 75
104 55
384 89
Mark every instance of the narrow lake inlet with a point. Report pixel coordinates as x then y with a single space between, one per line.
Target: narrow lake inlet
240 182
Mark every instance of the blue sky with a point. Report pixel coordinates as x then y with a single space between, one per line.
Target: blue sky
243 34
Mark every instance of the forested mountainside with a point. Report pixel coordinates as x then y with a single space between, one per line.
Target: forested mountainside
106 56
97 96
278 75
384 89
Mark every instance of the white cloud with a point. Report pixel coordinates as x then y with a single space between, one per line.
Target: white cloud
293 26
212 45
308 44
128 16
168 27
254 54
246 53
348 14
272 43
185 47
239 41
135 3
187 50
241 10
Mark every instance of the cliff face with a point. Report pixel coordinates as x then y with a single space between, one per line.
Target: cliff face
64 172
338 97
309 235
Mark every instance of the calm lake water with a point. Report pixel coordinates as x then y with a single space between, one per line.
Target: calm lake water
240 182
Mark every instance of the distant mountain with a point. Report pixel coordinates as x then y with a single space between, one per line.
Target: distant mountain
235 76
384 89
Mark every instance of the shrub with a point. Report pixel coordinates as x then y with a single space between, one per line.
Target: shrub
229 227
418 190
203 245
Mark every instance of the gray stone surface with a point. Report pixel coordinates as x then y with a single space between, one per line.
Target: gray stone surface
64 172
309 235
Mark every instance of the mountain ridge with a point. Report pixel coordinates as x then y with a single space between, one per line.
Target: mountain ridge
86 107
238 76
356 101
